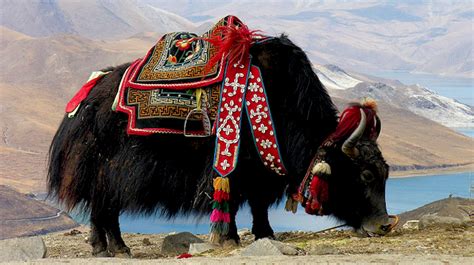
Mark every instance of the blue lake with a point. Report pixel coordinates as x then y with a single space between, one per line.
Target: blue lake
402 194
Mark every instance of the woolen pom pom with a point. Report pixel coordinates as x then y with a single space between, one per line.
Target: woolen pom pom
321 168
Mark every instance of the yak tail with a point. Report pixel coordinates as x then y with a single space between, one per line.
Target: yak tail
73 157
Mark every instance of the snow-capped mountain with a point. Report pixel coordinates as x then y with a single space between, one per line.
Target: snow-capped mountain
415 98
334 77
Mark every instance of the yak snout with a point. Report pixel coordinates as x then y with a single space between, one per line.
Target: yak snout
379 226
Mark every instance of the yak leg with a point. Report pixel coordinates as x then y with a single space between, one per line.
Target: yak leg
98 239
261 226
116 244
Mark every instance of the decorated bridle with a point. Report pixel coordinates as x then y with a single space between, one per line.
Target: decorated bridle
313 191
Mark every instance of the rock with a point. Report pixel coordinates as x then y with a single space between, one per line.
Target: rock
324 249
196 248
411 225
22 249
73 232
268 247
433 219
176 244
286 249
146 241
244 232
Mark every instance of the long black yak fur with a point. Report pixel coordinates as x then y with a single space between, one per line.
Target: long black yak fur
94 164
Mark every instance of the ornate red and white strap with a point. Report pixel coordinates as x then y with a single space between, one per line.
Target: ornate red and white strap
236 92
229 117
263 129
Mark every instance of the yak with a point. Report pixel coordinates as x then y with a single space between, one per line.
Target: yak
96 166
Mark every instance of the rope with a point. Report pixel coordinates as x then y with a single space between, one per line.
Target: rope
317 232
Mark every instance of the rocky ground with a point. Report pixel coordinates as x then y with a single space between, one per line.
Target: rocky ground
442 233
435 240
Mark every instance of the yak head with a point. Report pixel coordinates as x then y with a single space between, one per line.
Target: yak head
356 185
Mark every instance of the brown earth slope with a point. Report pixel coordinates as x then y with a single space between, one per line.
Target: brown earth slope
21 215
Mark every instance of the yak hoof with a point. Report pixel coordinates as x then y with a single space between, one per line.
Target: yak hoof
123 252
124 255
101 254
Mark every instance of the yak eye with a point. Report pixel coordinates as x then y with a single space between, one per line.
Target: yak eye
367 176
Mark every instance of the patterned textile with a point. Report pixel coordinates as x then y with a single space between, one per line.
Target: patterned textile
160 91
180 60
164 110
244 86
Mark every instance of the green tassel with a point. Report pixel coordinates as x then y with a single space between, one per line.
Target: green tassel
223 206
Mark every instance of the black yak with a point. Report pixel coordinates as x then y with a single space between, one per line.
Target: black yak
96 166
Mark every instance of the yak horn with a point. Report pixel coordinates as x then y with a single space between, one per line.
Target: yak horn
378 127
349 145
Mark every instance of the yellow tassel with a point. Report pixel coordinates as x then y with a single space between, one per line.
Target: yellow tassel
288 204
291 205
294 206
225 185
222 184
217 183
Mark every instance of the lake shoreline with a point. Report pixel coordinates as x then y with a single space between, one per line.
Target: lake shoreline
430 172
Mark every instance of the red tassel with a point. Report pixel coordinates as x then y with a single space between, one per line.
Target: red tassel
319 194
220 196
233 43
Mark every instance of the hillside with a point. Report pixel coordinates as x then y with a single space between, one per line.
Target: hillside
21 215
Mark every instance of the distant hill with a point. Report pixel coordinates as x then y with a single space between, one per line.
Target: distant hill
22 215
453 207
415 98
97 19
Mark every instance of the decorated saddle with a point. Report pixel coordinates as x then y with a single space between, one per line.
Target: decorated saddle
200 86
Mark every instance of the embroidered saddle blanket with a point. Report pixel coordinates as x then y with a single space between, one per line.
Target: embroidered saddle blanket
174 89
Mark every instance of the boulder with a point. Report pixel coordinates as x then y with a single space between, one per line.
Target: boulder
178 243
22 249
268 247
411 225
196 248
433 219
